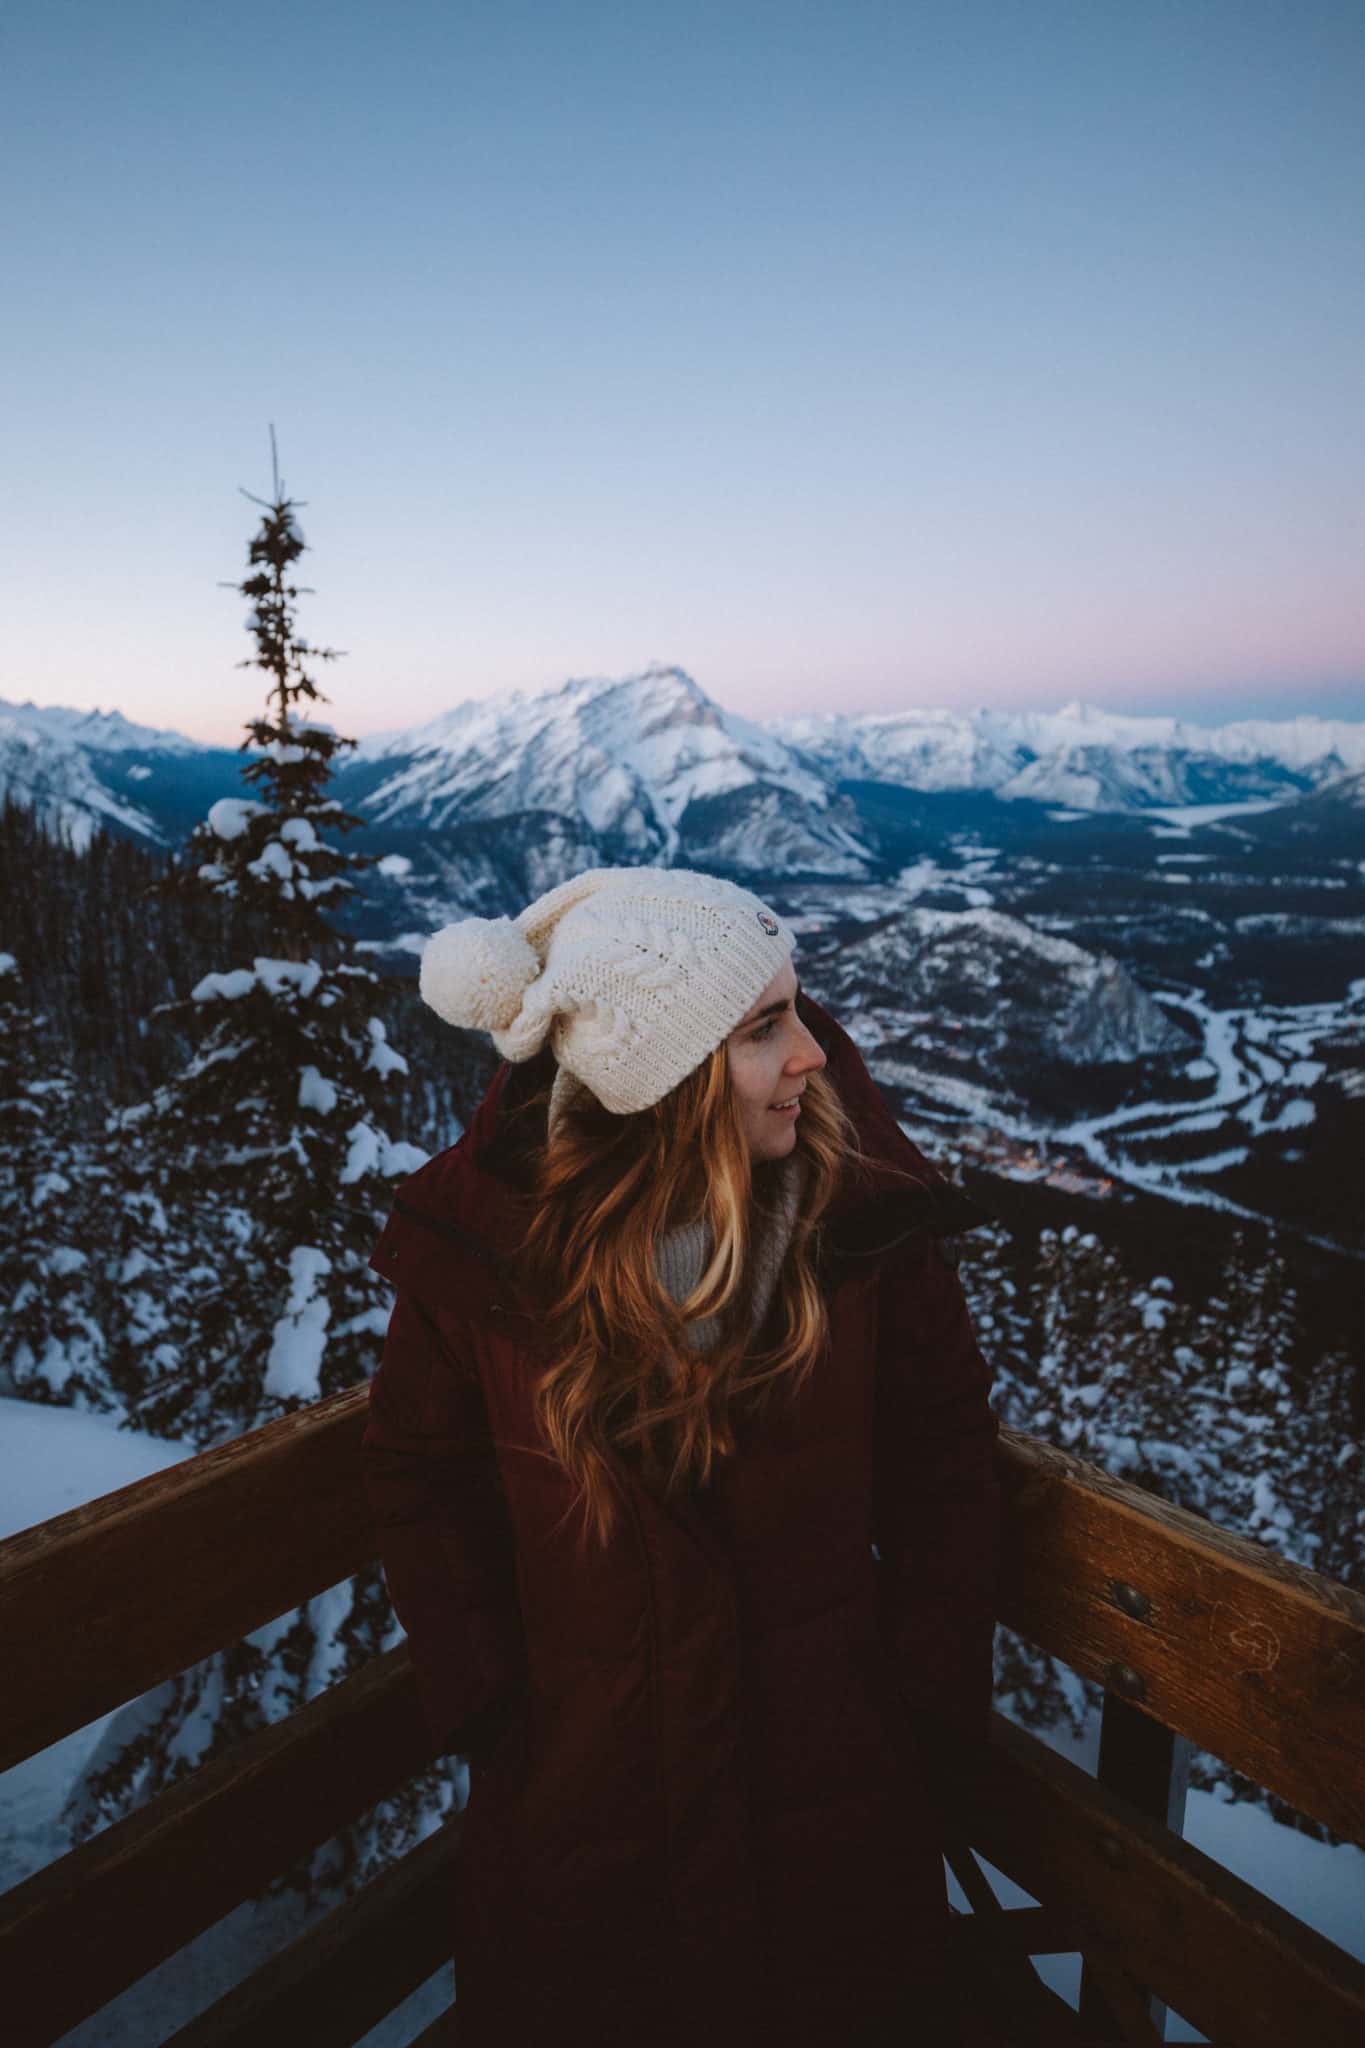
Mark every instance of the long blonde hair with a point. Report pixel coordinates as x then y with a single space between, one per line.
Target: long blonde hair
624 1379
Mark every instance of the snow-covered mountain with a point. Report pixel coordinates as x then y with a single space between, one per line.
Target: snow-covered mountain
1081 756
83 769
1074 898
76 769
62 779
1347 793
653 768
649 768
102 732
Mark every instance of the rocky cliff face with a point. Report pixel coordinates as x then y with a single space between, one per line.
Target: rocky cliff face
1111 1018
975 1010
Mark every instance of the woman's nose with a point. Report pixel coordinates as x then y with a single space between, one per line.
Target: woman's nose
810 1056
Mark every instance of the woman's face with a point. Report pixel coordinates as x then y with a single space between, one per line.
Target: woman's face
770 1060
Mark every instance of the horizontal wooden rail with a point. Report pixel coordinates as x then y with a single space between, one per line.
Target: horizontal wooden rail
77 1933
345 1973
1246 1972
99 1604
1256 1659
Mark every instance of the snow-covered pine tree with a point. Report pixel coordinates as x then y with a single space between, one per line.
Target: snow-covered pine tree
257 1181
1328 1490
1265 1423
999 1309
275 1136
52 1339
1087 1386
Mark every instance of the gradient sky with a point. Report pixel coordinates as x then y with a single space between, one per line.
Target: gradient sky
851 356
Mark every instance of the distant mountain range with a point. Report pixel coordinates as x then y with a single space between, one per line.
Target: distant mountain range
1114 956
649 768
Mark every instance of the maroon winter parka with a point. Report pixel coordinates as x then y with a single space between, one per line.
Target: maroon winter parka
707 1765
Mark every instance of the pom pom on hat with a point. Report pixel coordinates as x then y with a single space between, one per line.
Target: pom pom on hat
476 972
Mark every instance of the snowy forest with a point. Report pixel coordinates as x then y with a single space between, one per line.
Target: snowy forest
206 1097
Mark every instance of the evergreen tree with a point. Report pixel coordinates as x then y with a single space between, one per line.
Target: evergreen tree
1328 1489
253 1186
52 1339
1252 1365
272 1145
999 1309
1085 1387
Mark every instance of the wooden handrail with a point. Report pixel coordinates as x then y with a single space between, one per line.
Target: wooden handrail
1258 1660
138 1891
1214 1636
104 1602
1226 1957
1254 1658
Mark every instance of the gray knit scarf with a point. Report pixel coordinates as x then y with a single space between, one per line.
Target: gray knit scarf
680 1256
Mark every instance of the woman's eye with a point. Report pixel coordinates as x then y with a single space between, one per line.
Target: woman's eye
764 1029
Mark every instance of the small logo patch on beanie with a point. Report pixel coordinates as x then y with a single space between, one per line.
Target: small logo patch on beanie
769 924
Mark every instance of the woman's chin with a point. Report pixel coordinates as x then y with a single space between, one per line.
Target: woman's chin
774 1145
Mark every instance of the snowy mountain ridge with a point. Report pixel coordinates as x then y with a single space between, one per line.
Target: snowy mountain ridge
104 732
48 770
1082 755
628 756
650 768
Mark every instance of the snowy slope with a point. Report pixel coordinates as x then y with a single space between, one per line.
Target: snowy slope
1347 793
56 1458
76 768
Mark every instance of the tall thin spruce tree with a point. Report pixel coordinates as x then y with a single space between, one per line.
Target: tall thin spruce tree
258 1181
274 1137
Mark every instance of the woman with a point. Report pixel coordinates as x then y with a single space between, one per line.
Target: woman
678 1340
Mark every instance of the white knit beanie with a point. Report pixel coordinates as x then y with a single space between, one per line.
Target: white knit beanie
634 975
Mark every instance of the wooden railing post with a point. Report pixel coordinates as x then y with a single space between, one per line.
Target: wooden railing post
1148 1765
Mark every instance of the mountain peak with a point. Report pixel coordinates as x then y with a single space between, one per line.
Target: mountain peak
103 732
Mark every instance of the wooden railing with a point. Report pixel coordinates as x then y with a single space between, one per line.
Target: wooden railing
1197 1636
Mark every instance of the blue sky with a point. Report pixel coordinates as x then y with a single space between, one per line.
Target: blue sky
851 356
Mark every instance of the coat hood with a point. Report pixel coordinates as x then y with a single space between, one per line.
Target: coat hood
451 1235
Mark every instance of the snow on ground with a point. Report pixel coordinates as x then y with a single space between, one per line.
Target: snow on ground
923 875
52 1459
1186 815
